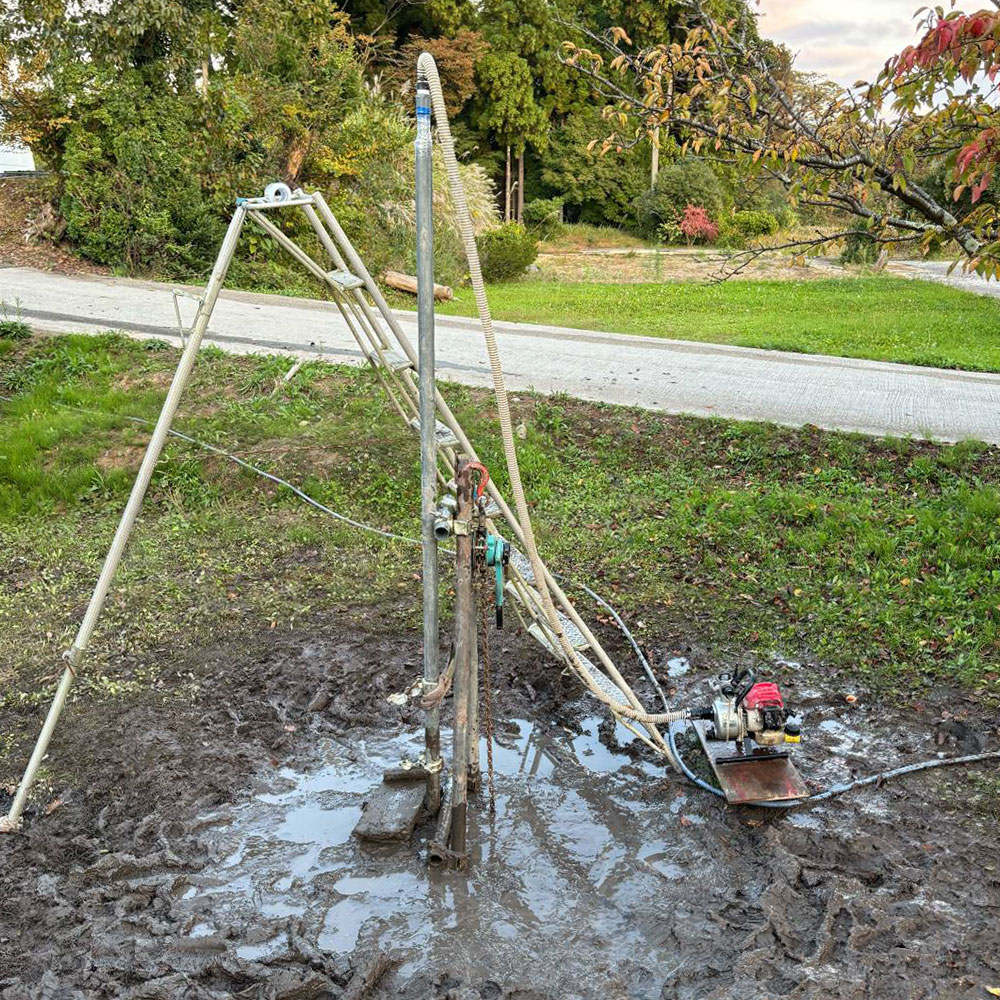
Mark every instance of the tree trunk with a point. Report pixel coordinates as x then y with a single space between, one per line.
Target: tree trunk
204 76
654 165
520 186
506 190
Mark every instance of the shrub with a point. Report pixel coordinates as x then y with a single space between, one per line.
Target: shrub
754 223
544 216
670 232
696 225
859 247
787 218
504 252
688 181
14 329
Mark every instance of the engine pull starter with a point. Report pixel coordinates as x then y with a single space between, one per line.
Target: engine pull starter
746 733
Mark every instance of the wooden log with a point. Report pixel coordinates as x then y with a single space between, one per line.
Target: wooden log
408 283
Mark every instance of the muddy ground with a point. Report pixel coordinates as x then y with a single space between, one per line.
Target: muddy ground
203 849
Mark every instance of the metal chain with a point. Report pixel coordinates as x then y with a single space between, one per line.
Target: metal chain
484 643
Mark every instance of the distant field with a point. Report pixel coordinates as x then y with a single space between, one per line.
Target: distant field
883 318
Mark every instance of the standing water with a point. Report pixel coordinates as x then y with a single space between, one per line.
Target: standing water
600 875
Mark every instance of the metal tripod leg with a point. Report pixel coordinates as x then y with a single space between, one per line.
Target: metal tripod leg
74 656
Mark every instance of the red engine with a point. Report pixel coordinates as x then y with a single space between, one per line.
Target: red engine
764 695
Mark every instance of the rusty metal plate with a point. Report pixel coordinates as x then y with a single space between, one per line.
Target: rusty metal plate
770 779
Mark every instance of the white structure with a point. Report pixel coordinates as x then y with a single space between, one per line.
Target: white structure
15 158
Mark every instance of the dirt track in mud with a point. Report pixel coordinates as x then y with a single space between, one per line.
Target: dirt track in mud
204 850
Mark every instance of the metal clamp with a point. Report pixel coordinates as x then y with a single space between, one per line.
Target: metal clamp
443 515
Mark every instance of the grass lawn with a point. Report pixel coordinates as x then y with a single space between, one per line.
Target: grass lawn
884 318
584 236
877 558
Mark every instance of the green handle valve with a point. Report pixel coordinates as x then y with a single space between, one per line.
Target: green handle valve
497 556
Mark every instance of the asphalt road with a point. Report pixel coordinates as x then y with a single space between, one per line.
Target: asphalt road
667 375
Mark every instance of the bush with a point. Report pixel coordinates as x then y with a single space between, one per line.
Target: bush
670 232
696 225
504 252
751 224
148 168
787 218
688 181
859 247
544 216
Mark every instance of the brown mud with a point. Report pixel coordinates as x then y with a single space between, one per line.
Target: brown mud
22 202
203 849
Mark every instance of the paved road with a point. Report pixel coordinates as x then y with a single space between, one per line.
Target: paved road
937 270
667 375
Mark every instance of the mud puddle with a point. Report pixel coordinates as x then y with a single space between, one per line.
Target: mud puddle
208 854
549 898
603 876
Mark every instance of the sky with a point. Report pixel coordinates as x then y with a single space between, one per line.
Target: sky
845 40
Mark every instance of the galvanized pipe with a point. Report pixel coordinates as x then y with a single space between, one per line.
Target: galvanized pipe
75 654
266 205
358 267
423 153
464 625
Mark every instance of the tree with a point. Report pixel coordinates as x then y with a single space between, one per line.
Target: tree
725 92
594 188
394 21
506 109
54 55
148 162
457 58
525 38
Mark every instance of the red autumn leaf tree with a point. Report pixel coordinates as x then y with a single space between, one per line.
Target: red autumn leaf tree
696 224
719 90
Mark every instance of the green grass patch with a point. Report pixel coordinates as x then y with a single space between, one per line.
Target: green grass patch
14 329
878 558
573 236
882 318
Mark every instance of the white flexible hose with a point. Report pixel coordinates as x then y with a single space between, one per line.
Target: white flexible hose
427 68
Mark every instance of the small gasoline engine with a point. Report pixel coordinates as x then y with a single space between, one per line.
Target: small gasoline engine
746 709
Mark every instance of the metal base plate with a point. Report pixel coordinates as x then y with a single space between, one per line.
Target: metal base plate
770 778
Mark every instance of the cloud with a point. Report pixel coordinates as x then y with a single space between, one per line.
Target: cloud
846 41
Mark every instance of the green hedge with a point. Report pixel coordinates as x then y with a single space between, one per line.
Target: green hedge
505 251
754 223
